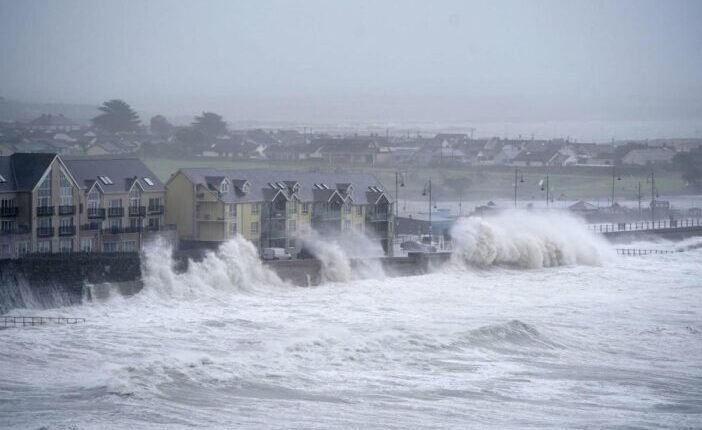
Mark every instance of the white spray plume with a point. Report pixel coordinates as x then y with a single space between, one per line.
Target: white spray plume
235 266
527 240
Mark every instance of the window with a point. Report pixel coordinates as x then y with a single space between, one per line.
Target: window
305 208
347 225
148 181
66 245
115 223
44 223
66 222
292 225
5 249
8 203
44 192
129 246
359 210
154 203
135 224
254 208
232 211
292 243
44 246
224 187
86 245
8 225
94 199
254 227
110 247
22 248
232 229
105 180
116 203
154 223
66 189
134 197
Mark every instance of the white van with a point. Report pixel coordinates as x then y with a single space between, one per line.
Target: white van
276 254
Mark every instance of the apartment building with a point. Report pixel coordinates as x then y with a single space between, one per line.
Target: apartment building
123 204
274 209
39 205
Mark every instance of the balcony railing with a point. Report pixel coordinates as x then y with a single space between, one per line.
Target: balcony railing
115 212
16 230
156 210
327 215
91 227
377 217
67 230
9 211
96 213
137 211
120 230
67 210
45 232
45 210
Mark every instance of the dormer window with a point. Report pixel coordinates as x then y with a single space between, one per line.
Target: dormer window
245 187
224 187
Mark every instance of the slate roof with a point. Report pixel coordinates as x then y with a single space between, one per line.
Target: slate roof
22 171
259 180
121 171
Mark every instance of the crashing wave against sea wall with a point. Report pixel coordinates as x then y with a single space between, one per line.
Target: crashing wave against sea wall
526 240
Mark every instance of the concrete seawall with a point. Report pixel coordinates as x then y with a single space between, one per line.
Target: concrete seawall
675 233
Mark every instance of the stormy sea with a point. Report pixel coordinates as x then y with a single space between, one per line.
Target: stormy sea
534 323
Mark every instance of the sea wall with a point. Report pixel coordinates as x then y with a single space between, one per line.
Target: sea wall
676 233
50 280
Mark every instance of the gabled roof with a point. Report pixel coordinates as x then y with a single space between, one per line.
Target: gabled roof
22 171
120 171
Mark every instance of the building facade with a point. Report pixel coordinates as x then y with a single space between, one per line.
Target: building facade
49 204
275 209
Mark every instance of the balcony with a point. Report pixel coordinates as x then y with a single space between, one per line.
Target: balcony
276 214
91 226
377 217
132 229
45 231
67 210
45 210
13 231
115 212
67 230
9 211
96 213
137 211
155 210
327 216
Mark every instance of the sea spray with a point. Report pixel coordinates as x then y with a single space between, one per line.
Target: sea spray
527 240
347 256
235 266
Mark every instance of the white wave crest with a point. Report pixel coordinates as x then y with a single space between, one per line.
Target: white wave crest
527 240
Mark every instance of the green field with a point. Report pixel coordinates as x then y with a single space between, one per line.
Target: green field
485 183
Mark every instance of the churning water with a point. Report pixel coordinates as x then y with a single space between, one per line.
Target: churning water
530 326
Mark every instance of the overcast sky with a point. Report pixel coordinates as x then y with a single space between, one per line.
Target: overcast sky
361 60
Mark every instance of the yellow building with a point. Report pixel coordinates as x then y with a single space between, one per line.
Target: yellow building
274 209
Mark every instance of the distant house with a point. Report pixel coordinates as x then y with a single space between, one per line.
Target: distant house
52 123
355 150
582 207
648 156
528 158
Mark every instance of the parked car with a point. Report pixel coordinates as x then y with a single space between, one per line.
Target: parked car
276 254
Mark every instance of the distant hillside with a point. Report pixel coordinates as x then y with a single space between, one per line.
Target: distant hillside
12 110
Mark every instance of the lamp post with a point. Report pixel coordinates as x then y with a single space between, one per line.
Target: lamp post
399 182
547 190
619 178
652 177
425 191
521 179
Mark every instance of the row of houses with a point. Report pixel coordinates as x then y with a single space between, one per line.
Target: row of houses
50 203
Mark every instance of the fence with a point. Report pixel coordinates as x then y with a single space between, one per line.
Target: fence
7 321
646 225
635 251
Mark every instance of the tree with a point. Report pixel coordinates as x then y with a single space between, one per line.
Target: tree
210 124
117 116
160 125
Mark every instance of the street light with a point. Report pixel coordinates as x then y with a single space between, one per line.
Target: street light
619 178
541 183
517 172
427 190
652 178
401 181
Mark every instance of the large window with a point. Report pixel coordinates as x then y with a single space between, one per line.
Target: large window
22 248
44 192
44 246
134 197
305 208
254 227
66 245
86 244
129 246
94 199
254 208
66 190
232 211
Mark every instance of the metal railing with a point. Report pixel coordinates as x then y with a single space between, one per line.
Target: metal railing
137 211
376 216
636 251
646 225
115 212
67 210
45 232
96 213
45 210
8 321
156 209
9 211
67 230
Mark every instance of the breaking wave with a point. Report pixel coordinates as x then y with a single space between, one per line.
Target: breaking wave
526 240
348 256
234 266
